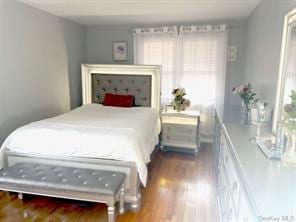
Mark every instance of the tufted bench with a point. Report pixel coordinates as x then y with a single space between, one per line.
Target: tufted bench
66 182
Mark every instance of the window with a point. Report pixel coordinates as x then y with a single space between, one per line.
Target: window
194 59
199 70
159 49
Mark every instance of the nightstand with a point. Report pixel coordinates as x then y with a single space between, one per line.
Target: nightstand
180 131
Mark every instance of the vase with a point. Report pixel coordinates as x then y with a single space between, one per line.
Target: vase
289 155
245 113
178 108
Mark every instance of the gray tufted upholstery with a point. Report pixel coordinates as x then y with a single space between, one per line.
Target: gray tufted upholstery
61 177
137 85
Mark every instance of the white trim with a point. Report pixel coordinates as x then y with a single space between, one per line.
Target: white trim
289 18
152 70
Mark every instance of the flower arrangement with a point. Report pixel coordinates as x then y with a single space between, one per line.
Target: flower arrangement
180 103
246 93
290 110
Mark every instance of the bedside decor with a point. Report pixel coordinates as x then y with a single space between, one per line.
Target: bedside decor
247 94
180 103
120 51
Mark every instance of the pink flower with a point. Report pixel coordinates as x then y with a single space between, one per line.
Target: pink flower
246 92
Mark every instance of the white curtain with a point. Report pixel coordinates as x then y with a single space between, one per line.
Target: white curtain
202 59
194 59
158 46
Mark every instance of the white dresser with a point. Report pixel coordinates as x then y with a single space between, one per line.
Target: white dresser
234 201
250 187
180 130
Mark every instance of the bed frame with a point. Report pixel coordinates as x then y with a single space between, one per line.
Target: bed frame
139 80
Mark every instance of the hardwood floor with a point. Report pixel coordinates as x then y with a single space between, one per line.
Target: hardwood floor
181 189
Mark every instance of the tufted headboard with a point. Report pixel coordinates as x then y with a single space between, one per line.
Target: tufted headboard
141 81
138 86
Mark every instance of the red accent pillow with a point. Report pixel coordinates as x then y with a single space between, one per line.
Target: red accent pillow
118 100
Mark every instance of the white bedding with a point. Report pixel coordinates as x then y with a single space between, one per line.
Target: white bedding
127 134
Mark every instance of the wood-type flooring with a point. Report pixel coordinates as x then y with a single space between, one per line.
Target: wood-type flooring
181 188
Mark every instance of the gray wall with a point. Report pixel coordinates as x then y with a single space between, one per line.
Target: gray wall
39 65
99 49
99 42
264 37
75 44
235 70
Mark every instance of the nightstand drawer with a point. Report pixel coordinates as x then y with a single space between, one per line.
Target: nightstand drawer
179 129
180 120
178 138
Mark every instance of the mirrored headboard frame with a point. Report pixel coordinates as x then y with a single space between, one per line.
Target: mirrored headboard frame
87 70
289 19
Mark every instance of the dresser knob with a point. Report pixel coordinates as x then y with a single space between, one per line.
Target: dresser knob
168 137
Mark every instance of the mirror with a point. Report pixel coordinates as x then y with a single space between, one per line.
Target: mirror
282 145
287 70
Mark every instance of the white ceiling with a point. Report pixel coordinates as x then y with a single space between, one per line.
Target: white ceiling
91 12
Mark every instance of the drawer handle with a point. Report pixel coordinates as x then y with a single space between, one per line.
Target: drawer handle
168 137
230 214
234 187
246 219
226 159
223 215
224 189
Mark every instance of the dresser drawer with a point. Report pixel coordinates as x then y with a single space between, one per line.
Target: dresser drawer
170 137
179 129
223 193
221 152
232 174
245 213
231 215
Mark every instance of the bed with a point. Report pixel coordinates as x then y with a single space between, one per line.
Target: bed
96 136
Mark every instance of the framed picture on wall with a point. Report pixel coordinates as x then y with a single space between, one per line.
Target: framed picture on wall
120 51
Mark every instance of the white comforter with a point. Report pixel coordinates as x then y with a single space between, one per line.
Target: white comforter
127 134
